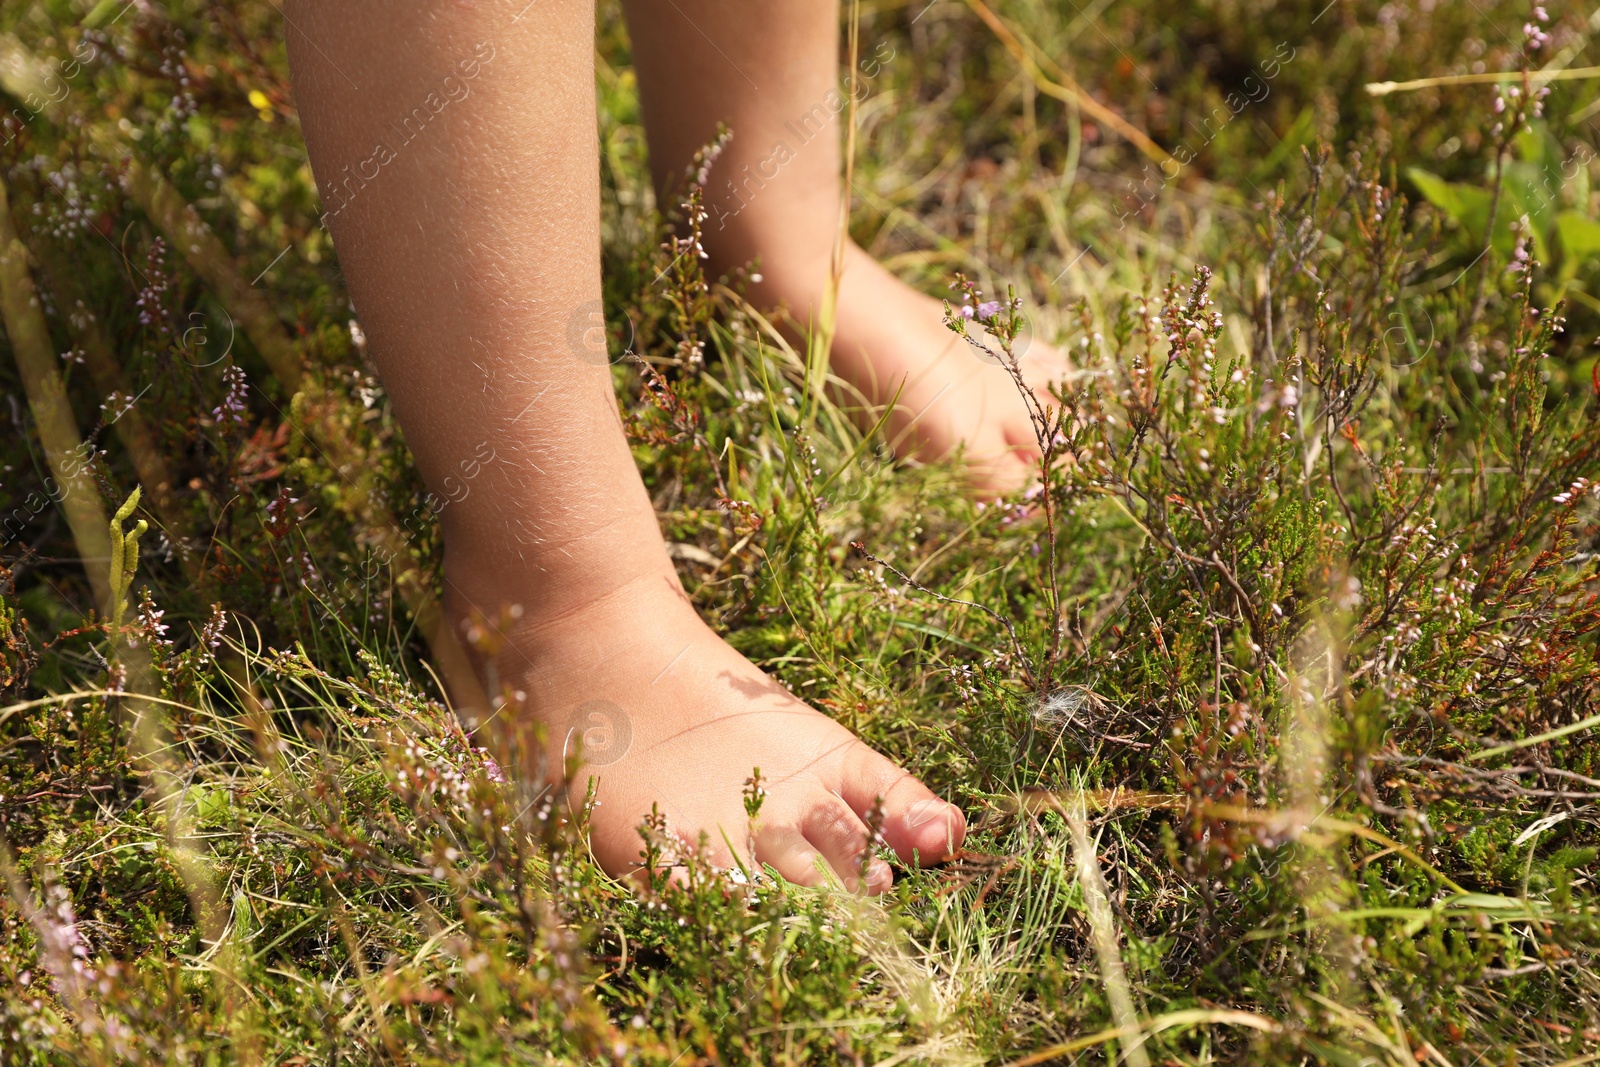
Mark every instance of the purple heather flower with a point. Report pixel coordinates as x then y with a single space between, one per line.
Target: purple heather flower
232 407
152 297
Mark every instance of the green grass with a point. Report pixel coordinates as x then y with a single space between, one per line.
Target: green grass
1275 716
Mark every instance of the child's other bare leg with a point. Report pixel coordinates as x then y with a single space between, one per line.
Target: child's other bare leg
467 225
771 72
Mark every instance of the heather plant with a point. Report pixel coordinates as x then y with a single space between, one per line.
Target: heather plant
1272 702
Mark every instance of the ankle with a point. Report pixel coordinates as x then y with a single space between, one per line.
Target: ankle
533 589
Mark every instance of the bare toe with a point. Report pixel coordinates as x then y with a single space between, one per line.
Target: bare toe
837 832
921 828
786 850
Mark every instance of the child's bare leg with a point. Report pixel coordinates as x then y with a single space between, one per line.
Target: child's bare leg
770 71
469 235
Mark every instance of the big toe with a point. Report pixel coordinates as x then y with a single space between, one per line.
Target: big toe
917 825
928 830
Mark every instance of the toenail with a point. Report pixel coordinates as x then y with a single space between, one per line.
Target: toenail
925 811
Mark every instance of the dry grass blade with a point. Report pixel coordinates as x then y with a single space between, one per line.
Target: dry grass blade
52 414
1107 946
1066 89
1171 1020
99 351
1496 77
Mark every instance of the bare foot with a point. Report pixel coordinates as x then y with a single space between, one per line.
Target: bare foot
669 714
774 196
469 284
890 337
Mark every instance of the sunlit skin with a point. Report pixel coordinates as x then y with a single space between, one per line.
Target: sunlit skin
770 73
468 234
